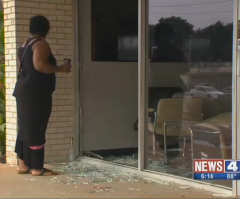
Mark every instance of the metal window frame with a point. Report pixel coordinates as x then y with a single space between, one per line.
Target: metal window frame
143 66
142 79
235 94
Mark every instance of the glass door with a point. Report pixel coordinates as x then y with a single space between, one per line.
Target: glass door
109 94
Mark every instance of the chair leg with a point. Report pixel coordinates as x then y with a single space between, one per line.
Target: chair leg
184 147
165 141
154 147
154 128
222 145
192 152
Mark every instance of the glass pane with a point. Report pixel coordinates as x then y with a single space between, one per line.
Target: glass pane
189 84
114 30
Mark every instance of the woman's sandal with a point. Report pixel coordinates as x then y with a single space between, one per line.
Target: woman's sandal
46 172
28 171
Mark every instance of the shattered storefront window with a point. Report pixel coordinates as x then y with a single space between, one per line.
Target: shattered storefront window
98 178
79 172
176 165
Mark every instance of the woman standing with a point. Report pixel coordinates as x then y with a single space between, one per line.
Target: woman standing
33 92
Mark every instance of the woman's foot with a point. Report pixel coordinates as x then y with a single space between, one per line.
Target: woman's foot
23 169
28 171
44 172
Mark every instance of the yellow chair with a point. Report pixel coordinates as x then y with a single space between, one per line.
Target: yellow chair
174 118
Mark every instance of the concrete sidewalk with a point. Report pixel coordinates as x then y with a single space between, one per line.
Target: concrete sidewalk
71 185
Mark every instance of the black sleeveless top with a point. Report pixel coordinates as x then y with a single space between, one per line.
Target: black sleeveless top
32 82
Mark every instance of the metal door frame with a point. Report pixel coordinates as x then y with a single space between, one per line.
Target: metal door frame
76 71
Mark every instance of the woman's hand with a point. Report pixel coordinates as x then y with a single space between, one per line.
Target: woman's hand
65 68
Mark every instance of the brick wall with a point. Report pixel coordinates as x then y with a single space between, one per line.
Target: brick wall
59 12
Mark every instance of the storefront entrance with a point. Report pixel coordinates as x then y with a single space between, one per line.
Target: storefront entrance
109 76
158 86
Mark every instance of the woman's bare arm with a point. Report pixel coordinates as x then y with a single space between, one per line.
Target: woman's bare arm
41 52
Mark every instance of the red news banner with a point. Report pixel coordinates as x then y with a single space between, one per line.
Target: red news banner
209 166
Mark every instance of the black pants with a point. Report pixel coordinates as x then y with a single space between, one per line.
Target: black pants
33 159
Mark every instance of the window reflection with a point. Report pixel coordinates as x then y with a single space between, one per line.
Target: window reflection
166 41
189 84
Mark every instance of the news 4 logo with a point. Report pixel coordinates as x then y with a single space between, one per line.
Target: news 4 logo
232 166
216 166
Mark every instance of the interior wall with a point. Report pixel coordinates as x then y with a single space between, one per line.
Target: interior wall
109 96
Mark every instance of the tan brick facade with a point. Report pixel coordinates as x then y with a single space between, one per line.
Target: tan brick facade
59 12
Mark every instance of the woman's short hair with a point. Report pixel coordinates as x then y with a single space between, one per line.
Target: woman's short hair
39 25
